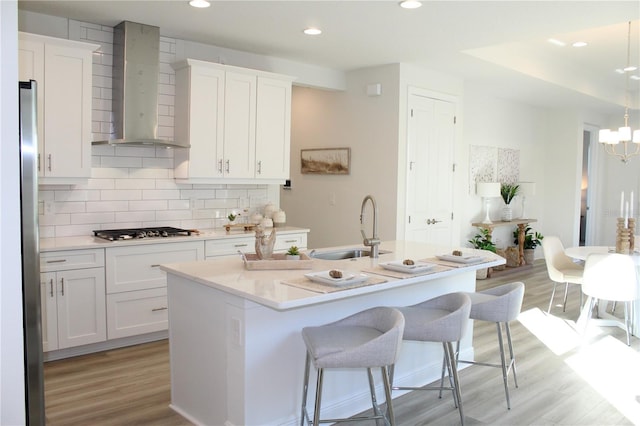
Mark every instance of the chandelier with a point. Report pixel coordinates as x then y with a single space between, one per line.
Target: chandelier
611 139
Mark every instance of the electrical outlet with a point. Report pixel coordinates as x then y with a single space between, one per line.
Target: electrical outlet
332 199
49 208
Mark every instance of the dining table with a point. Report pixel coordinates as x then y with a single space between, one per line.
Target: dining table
580 253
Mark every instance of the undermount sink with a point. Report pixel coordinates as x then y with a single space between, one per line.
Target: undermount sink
350 253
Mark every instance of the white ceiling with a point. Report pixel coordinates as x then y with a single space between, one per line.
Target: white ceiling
501 44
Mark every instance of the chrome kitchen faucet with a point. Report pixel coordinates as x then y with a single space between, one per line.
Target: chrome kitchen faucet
374 241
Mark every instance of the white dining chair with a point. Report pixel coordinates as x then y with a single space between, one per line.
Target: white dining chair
561 268
612 277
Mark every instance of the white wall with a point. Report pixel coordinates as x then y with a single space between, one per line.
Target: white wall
12 405
368 126
502 123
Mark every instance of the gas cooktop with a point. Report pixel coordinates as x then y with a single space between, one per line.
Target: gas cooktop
137 233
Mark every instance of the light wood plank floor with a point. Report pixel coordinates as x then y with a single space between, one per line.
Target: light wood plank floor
132 386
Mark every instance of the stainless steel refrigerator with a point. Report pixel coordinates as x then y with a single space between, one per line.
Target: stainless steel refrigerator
34 382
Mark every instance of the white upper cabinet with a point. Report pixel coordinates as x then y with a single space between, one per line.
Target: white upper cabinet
63 72
239 125
273 128
199 120
237 121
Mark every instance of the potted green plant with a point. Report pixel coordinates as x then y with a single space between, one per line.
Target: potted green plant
293 253
232 218
508 191
482 241
531 241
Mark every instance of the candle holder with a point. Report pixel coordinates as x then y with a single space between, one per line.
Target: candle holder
624 236
632 232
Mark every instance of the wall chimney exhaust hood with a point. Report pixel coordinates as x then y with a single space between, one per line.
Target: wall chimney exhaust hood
136 62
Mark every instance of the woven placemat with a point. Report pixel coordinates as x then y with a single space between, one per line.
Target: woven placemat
316 287
379 270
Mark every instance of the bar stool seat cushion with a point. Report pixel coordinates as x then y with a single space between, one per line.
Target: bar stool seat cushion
498 304
368 339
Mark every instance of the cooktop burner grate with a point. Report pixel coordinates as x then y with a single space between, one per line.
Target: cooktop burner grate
137 233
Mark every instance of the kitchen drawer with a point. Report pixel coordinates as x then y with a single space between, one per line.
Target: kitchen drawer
229 246
136 312
283 242
71 259
138 267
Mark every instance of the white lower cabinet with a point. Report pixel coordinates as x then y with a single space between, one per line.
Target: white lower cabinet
246 244
136 312
72 300
137 288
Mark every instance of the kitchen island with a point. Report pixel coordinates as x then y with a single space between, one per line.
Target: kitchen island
237 355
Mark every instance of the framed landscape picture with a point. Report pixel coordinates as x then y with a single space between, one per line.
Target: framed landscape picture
325 161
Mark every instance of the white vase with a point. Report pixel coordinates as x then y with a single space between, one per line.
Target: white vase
507 213
293 257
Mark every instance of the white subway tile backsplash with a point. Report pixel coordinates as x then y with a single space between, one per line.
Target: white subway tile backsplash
107 206
149 205
54 219
135 216
77 195
173 215
75 230
108 173
179 204
151 173
160 194
158 163
92 218
69 207
121 194
121 162
135 184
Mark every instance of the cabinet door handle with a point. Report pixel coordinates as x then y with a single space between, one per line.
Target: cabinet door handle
259 167
62 282
38 162
57 261
290 241
220 166
155 266
51 287
227 163
49 157
241 245
164 308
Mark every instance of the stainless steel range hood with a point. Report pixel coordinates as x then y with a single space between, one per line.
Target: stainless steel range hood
136 62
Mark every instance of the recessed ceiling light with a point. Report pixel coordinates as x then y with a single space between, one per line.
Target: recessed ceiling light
313 31
635 77
579 44
410 4
199 3
556 42
629 68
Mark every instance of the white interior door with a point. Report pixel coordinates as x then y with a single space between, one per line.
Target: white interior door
430 170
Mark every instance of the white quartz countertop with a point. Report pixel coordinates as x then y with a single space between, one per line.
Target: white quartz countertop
90 242
267 287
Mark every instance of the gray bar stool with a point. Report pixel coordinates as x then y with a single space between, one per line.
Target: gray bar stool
368 339
501 305
441 319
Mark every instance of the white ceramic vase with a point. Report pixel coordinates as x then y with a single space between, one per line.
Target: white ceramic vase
507 213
